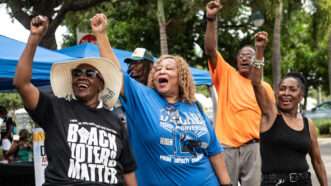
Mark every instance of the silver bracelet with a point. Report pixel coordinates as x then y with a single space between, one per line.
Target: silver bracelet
258 63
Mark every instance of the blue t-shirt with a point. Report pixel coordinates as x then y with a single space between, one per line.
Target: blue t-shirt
171 142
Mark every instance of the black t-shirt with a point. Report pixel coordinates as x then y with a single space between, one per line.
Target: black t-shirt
84 146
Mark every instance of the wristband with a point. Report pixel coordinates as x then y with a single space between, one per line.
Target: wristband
259 60
229 184
211 19
258 63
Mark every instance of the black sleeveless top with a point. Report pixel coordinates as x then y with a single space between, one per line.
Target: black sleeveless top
283 149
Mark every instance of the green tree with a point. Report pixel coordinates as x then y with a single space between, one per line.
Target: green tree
329 61
55 10
276 44
323 29
163 27
10 101
135 23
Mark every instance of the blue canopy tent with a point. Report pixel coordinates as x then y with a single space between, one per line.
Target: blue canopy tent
11 50
91 50
200 77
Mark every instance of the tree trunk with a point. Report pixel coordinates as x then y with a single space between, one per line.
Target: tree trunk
163 27
47 8
329 52
49 41
276 55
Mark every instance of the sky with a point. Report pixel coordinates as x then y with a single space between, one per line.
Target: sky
13 29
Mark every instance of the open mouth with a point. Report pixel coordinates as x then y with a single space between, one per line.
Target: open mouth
286 100
163 81
245 65
136 76
82 85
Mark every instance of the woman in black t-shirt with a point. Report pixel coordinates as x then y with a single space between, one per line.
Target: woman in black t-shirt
286 136
85 144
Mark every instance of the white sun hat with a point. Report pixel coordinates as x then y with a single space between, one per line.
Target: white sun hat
61 80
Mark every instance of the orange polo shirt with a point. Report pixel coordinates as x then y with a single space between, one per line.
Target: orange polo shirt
238 114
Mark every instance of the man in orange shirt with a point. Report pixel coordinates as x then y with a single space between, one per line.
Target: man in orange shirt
238 115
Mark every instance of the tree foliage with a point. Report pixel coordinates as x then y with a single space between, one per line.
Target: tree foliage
304 37
10 101
305 44
134 23
55 10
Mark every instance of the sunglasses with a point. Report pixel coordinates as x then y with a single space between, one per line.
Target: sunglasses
91 73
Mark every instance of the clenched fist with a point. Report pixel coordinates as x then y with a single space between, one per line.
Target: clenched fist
39 25
99 23
212 8
261 39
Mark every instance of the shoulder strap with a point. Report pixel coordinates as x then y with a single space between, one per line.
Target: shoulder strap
306 124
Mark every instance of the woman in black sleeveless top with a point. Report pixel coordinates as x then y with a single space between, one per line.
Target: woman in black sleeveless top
286 136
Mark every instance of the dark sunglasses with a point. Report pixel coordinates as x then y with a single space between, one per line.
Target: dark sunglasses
91 73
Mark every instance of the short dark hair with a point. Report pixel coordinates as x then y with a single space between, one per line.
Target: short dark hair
147 67
300 79
246 46
24 134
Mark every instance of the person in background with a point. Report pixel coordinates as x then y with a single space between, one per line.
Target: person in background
85 143
172 139
139 65
238 114
7 127
286 135
21 148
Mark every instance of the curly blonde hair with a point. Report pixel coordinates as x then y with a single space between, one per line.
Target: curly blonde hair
185 80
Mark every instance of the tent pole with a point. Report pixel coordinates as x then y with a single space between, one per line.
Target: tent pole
212 93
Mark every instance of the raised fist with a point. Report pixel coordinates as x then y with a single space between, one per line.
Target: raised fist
212 8
39 25
99 23
261 39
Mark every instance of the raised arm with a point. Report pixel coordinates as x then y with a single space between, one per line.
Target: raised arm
212 9
315 156
99 25
265 102
22 81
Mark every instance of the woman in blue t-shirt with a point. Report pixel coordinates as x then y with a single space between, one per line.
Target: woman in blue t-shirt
173 140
